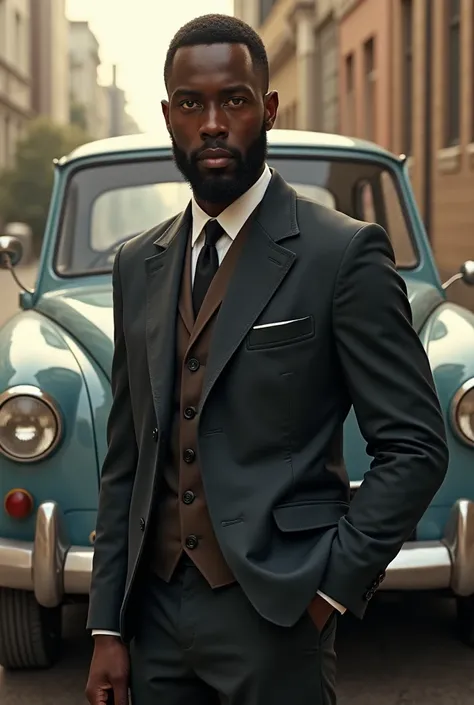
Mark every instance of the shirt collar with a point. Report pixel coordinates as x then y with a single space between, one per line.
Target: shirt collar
233 218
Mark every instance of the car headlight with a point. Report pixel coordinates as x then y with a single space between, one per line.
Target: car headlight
462 412
30 424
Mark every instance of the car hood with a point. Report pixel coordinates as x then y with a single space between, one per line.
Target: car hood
86 313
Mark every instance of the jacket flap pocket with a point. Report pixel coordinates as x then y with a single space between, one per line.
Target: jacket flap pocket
273 335
308 515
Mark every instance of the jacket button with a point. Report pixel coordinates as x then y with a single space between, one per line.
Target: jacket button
190 412
188 497
142 524
189 455
155 434
193 364
191 542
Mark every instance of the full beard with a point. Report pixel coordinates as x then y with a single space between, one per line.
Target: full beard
219 186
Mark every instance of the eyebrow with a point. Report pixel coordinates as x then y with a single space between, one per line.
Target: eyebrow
237 88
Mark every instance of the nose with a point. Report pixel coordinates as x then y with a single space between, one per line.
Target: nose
214 123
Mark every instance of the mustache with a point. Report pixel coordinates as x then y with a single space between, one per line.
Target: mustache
215 144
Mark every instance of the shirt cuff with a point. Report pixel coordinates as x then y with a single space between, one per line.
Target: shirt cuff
105 632
332 602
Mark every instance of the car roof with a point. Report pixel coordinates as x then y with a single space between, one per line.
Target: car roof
150 142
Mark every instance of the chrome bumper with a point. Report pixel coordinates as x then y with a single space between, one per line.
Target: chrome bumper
49 566
52 568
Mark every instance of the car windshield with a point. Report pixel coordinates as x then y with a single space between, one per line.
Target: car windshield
108 204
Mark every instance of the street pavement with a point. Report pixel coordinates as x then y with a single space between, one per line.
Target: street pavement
404 652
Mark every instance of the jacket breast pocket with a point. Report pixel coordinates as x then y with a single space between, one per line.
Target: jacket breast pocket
278 333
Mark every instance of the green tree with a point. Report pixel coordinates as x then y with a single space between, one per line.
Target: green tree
25 190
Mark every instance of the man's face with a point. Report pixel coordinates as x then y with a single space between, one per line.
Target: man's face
218 117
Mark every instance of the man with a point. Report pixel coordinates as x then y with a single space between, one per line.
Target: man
245 329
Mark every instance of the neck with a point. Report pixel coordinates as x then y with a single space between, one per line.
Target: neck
215 209
212 209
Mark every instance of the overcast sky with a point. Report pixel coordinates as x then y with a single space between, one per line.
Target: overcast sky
135 35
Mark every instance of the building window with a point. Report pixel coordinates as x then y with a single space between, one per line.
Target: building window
453 70
407 58
329 79
369 88
350 95
3 25
265 9
472 73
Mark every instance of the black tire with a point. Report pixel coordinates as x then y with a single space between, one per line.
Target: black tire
465 619
30 635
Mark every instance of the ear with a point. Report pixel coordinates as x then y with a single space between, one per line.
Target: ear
271 102
165 106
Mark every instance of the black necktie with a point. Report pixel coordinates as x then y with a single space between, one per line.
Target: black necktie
207 264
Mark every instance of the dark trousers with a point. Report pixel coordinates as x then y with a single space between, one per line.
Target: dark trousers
198 646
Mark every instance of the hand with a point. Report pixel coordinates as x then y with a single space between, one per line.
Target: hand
320 610
109 670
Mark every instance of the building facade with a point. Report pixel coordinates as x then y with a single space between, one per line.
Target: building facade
15 75
397 72
50 59
301 40
84 61
406 70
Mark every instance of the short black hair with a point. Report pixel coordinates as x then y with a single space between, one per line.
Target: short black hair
219 29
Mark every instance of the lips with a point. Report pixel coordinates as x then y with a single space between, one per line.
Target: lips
215 158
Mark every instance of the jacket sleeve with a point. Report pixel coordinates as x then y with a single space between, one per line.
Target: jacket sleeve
389 381
118 474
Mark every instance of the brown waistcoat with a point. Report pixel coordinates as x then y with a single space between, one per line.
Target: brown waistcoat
182 518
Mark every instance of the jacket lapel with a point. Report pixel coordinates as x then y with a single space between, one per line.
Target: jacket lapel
164 271
186 296
260 270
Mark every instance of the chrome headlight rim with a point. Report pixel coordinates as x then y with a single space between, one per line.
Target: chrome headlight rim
29 390
464 389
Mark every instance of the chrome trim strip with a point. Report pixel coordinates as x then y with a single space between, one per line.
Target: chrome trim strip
453 410
420 565
29 390
15 564
78 570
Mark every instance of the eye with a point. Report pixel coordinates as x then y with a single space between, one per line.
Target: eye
236 102
188 104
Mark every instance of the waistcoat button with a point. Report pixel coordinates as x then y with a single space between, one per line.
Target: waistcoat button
188 497
191 542
155 434
193 364
189 455
189 412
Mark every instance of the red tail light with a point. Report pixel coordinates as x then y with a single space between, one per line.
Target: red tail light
18 504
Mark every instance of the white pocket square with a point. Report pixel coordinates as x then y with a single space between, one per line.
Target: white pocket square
278 323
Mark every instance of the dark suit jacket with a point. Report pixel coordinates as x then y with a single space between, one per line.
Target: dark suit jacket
272 410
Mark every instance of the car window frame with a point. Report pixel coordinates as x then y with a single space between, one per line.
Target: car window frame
272 157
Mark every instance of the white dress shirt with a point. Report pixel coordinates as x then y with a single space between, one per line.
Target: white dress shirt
232 220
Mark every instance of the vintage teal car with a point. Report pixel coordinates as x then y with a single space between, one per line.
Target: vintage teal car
55 362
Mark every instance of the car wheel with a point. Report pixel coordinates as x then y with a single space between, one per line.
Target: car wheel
465 619
30 635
